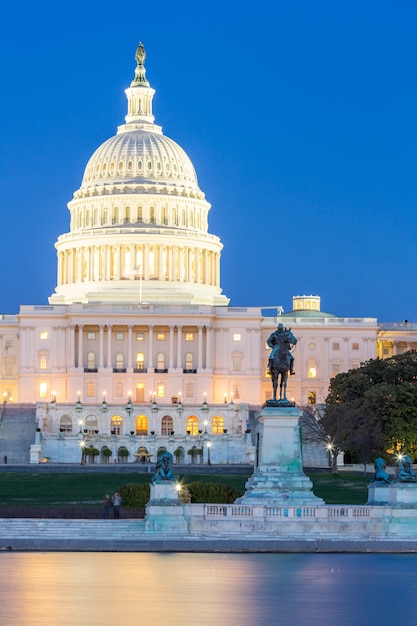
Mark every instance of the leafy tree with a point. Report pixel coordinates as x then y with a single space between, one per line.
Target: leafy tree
373 408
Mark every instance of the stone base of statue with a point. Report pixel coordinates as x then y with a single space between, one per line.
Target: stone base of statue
278 477
164 512
401 494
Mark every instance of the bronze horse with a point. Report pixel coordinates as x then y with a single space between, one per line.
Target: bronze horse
279 367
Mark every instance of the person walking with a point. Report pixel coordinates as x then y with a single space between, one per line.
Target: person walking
116 502
106 506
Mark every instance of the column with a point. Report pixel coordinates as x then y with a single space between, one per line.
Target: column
208 347
80 346
109 355
71 346
101 347
171 348
129 347
150 348
200 348
179 347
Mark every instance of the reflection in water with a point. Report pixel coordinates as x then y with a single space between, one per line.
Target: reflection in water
62 589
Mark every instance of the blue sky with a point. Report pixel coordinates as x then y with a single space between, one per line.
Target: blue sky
300 118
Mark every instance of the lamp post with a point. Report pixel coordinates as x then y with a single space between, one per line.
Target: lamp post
78 412
129 410
209 444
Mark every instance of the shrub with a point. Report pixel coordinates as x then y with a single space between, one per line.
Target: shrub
212 493
133 495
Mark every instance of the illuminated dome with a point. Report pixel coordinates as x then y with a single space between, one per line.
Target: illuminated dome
139 215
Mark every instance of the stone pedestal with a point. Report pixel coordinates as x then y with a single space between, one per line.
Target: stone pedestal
393 494
35 453
164 512
278 477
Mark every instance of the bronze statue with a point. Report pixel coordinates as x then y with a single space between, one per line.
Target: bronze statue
281 361
140 55
163 469
405 469
380 474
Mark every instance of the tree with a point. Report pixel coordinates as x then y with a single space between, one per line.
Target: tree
373 409
313 432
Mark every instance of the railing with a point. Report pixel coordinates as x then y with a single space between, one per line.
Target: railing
285 512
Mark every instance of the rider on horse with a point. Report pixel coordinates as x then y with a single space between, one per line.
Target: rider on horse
283 340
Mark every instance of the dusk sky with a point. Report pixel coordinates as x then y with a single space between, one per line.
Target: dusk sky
299 116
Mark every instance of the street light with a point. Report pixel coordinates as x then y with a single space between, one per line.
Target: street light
209 444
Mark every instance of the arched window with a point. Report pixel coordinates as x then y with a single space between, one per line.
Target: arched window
91 361
311 397
119 361
189 361
65 424
179 455
217 425
91 424
141 425
192 425
167 425
105 455
161 451
160 361
140 361
122 454
312 368
116 425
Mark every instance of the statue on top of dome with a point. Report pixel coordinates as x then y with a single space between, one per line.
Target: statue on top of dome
140 55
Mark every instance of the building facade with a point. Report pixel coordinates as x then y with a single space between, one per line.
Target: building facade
138 349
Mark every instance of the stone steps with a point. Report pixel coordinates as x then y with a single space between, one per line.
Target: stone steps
17 433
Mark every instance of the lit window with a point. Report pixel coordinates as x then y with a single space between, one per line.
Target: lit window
355 346
189 390
336 346
119 361
140 361
140 392
312 368
167 425
160 390
119 390
140 336
336 368
42 362
141 425
160 361
311 398
160 336
91 336
91 361
43 335
192 425
91 389
120 336
189 337
188 361
116 425
237 337
43 388
217 425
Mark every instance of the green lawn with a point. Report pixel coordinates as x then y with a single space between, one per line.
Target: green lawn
90 488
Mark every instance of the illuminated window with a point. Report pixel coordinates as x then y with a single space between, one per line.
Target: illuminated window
116 425
311 398
91 336
189 390
189 336
167 425
336 346
336 368
65 424
141 425
160 336
217 425
120 336
43 361
237 337
160 361
119 361
140 336
188 361
119 390
192 425
236 392
140 361
312 368
43 335
237 362
140 392
355 346
91 361
160 390
43 388
91 389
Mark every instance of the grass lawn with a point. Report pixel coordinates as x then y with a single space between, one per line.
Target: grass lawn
32 489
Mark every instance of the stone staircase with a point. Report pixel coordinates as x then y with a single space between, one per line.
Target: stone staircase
17 433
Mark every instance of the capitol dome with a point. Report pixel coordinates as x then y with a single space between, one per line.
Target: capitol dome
139 215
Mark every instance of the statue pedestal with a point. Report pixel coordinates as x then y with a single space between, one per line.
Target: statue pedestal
278 478
164 512
400 494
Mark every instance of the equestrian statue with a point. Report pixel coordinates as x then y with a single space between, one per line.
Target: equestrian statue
281 361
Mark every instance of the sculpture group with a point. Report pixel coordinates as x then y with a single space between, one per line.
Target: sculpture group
405 471
281 361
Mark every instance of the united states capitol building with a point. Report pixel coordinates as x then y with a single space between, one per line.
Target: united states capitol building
138 350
